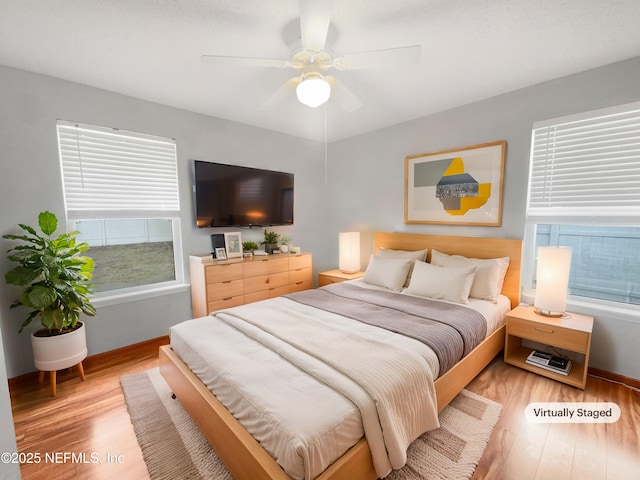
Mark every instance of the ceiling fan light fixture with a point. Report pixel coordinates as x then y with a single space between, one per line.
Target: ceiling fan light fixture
313 91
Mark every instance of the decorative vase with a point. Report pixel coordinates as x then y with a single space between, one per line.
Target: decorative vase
60 351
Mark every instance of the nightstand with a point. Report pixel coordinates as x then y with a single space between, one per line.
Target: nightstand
571 333
336 276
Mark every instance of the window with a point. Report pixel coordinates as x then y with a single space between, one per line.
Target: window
121 193
584 192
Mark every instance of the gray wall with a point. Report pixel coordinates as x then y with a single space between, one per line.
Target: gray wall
367 176
7 439
31 182
364 190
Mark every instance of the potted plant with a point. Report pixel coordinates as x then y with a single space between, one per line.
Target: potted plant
250 247
55 279
270 241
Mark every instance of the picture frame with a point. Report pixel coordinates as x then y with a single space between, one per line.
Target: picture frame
221 253
233 244
455 187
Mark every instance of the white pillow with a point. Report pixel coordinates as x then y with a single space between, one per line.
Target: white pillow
417 255
446 283
387 272
489 278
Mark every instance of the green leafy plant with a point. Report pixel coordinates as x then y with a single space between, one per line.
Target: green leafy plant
56 277
271 238
250 246
285 239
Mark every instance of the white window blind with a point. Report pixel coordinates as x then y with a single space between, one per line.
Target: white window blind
109 173
586 168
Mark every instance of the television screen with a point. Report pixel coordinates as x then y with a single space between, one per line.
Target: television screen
231 195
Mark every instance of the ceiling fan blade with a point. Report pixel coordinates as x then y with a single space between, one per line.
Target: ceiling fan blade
315 16
389 57
342 95
286 89
243 61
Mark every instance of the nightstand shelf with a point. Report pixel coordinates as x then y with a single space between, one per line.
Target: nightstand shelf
336 276
572 334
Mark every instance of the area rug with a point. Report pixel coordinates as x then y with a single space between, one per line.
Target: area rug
174 448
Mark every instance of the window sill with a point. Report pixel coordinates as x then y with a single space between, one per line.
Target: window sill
133 295
594 307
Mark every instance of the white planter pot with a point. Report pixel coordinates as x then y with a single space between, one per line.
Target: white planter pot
59 352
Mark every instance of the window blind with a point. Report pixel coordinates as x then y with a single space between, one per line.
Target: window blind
586 168
109 173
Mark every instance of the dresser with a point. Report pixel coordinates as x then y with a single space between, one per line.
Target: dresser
218 284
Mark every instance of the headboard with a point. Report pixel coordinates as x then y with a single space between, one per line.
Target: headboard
476 247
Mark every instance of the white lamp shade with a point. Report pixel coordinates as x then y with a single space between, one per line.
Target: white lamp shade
313 92
349 248
552 280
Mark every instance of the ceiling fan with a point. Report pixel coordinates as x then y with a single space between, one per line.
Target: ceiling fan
311 59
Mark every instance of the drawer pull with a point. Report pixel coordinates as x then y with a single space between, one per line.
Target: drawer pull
546 330
227 281
226 299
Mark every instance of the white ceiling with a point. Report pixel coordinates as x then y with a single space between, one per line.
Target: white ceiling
471 50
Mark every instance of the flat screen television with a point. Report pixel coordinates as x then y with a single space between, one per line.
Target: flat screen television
232 195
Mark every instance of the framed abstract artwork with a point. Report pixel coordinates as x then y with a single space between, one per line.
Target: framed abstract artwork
457 187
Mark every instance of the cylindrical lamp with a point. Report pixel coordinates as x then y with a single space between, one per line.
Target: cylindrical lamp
349 252
552 280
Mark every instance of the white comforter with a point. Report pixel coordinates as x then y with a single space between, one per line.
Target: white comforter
298 419
392 386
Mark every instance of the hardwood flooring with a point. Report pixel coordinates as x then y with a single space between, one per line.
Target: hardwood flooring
90 417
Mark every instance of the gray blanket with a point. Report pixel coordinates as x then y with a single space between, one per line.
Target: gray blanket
450 330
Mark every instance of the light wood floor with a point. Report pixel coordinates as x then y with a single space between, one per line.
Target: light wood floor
90 417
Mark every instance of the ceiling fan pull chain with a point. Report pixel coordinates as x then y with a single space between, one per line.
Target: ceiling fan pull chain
326 176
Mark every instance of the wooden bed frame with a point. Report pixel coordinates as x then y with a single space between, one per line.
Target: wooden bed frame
244 456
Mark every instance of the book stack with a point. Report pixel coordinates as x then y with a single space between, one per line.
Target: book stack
549 362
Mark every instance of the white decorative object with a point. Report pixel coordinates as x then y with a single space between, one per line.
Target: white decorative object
552 280
349 252
60 351
233 244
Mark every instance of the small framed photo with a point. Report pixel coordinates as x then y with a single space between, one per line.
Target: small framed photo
233 244
221 253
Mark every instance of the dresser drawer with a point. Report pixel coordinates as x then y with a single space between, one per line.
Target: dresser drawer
225 303
300 275
222 290
266 282
277 291
548 334
300 286
256 296
265 266
223 272
299 261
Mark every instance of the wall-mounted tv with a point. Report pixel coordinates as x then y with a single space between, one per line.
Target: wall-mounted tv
232 195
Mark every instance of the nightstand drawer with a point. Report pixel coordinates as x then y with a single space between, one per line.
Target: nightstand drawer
549 334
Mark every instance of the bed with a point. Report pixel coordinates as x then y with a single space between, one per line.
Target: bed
245 457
